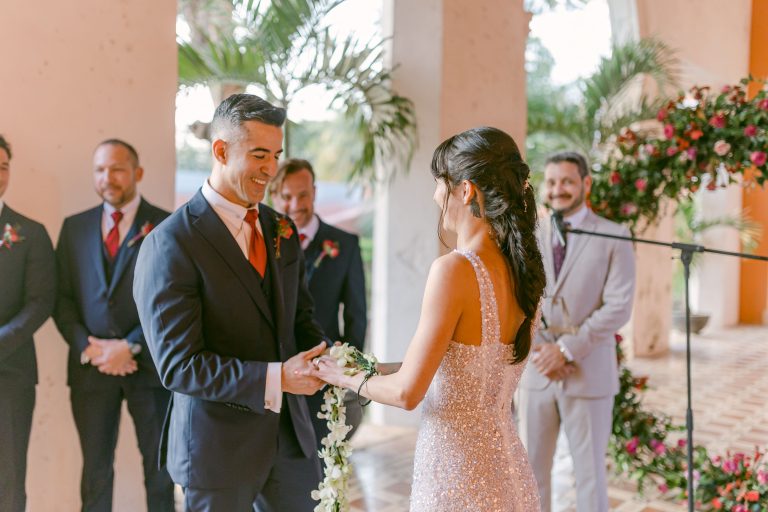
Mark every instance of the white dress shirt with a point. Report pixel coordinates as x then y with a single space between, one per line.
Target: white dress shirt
129 215
233 216
309 231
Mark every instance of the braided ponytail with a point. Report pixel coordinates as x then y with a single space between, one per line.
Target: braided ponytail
490 159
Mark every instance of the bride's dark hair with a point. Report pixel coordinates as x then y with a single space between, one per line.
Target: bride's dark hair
490 159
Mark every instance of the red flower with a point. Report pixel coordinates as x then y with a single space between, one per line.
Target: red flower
632 445
718 121
284 230
716 504
669 131
615 178
618 337
662 115
641 184
750 130
752 496
330 249
763 104
145 229
695 134
10 236
758 158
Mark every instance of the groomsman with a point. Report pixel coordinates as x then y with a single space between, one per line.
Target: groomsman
334 274
96 314
28 284
572 375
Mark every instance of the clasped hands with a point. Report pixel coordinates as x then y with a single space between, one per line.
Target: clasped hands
111 356
550 361
309 371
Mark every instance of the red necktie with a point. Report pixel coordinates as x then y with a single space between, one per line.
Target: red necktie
302 237
112 242
257 251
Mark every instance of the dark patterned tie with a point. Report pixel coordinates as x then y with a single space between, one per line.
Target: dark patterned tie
558 255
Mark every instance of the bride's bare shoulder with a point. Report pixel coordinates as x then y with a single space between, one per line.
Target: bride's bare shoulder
452 265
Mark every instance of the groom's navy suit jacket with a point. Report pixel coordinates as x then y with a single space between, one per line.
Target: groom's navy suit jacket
91 304
212 329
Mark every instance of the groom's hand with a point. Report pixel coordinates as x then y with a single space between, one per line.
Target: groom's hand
297 372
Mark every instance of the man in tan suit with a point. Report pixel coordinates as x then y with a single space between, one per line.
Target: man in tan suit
572 374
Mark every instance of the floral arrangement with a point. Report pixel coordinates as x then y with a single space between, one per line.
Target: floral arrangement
146 228
10 236
330 249
284 230
333 490
699 140
648 447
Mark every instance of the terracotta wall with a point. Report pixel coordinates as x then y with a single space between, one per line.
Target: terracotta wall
75 73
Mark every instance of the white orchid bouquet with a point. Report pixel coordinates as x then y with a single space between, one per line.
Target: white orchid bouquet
333 490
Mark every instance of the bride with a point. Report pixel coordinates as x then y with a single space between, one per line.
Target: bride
468 353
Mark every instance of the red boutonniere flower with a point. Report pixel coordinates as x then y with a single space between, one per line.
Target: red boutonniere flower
330 249
143 232
284 230
10 236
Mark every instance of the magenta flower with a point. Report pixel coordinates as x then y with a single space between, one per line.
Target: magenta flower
681 443
758 158
663 487
750 130
763 104
657 447
691 152
762 477
730 466
721 147
669 131
739 508
632 445
641 184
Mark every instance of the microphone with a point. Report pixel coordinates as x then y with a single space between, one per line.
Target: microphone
559 226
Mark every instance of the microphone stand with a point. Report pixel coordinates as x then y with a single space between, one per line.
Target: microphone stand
686 255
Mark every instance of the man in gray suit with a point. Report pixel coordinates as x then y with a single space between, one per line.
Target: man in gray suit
572 375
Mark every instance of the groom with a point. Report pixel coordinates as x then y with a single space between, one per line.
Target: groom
223 302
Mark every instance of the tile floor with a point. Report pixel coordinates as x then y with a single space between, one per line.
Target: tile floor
729 376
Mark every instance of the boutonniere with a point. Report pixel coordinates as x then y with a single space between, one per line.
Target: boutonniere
143 232
10 236
284 230
330 249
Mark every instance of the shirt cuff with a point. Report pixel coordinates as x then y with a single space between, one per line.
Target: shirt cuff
273 394
566 352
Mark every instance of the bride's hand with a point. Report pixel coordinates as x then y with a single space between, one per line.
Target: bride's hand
327 370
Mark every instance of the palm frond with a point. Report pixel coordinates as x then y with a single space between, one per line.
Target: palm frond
224 60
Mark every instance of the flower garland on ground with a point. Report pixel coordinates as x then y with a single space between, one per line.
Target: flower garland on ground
333 490
645 447
700 140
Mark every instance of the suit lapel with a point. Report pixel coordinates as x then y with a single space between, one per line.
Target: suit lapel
313 250
269 229
212 228
94 245
127 250
545 242
576 244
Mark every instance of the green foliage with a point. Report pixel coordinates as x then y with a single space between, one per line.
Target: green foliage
282 47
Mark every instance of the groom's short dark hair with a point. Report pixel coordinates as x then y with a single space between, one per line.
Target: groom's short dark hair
572 157
6 146
239 108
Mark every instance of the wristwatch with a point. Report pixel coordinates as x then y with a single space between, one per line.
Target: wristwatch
135 348
565 354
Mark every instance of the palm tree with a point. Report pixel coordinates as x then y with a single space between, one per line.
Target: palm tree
282 47
610 99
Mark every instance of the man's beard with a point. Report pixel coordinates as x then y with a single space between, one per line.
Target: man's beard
573 206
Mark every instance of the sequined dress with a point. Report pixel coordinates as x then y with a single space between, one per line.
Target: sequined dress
468 454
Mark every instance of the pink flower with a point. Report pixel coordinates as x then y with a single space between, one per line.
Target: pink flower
721 147
629 209
669 131
657 447
671 150
763 104
691 152
641 184
750 130
662 115
730 466
718 121
663 488
632 445
615 178
758 158
681 443
726 89
739 508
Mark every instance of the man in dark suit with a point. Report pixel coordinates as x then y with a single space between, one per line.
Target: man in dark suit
223 300
334 272
28 284
108 360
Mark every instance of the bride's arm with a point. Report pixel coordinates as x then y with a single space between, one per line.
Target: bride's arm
441 309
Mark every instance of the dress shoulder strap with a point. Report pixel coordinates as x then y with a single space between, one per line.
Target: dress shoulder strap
491 330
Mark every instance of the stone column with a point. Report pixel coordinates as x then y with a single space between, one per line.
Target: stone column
76 73
463 66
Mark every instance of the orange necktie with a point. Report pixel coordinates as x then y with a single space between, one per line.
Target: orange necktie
257 251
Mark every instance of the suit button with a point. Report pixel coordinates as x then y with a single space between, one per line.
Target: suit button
111 303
